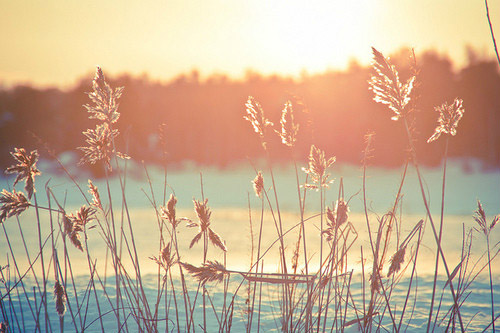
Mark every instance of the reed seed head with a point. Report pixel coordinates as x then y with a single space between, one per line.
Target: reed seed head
167 258
396 261
105 100
387 87
75 223
203 211
169 211
255 115
289 129
207 272
96 198
335 218
60 297
25 168
318 165
216 240
480 218
449 116
258 184
100 146
375 281
12 204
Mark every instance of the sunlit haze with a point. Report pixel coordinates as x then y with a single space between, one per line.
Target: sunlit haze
55 42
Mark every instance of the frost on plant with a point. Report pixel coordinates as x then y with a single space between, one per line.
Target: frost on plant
449 116
387 87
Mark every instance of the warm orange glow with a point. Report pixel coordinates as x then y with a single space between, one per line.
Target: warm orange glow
54 42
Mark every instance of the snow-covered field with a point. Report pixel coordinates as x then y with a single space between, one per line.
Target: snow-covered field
230 195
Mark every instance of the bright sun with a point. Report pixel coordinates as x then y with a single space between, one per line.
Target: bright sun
314 34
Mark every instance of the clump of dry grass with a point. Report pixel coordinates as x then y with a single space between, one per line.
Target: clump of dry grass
327 299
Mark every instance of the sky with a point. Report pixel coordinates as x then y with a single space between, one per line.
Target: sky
56 42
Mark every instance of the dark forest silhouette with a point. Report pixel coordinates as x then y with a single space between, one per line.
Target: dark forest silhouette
204 118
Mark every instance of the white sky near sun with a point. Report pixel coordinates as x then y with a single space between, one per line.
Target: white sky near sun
54 42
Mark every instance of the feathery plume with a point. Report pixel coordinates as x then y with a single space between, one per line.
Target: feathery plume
203 212
60 297
255 115
480 218
289 129
96 198
167 258
82 217
396 261
208 272
375 281
25 168
74 224
258 184
449 116
12 204
216 240
168 213
317 168
387 88
335 218
105 100
100 146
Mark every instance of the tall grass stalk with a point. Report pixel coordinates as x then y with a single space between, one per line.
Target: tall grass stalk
436 269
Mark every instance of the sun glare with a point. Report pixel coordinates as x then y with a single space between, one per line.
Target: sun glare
314 35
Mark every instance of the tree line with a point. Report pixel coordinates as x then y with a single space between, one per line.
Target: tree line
203 119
